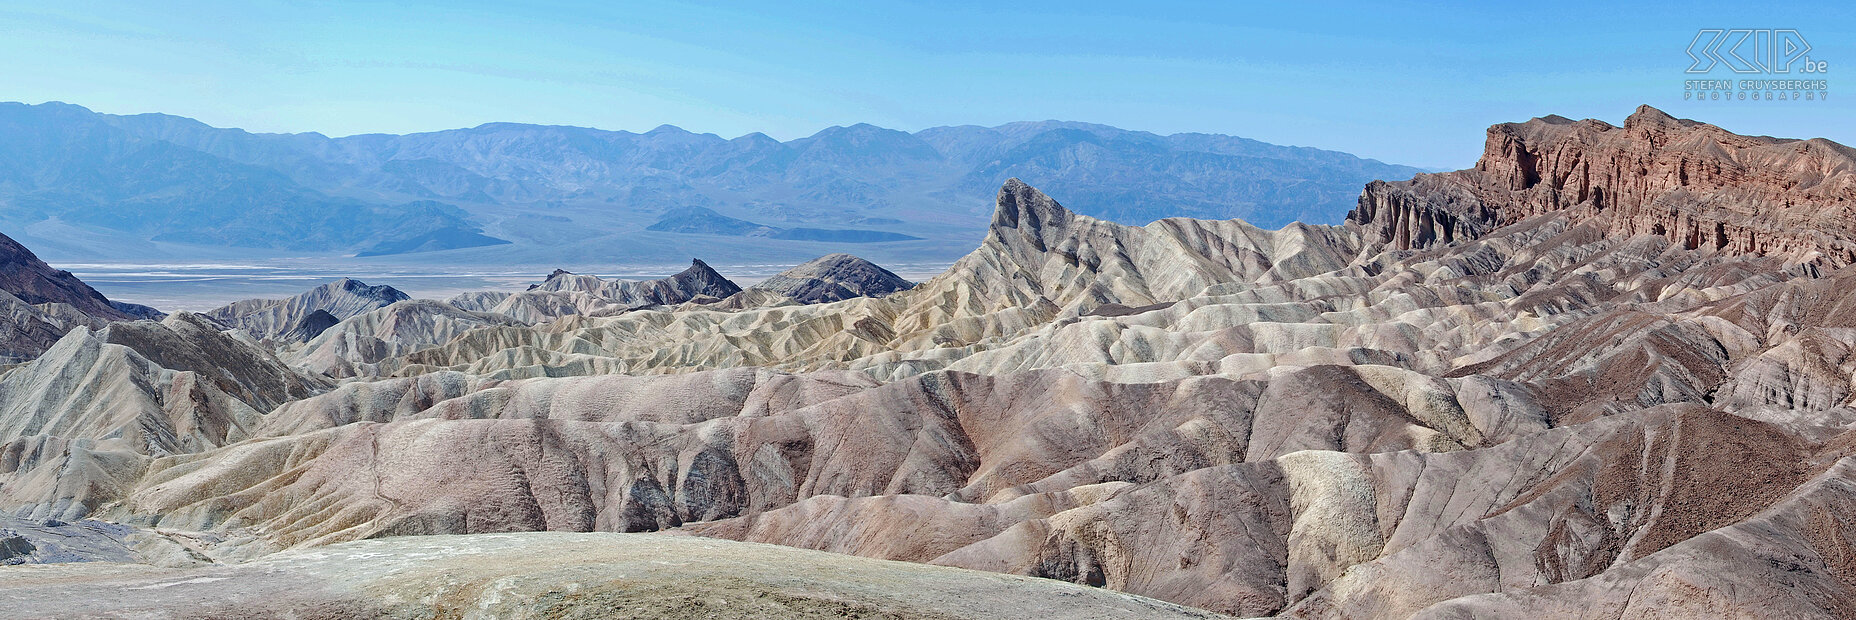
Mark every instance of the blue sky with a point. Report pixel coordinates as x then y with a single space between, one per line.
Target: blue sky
1412 83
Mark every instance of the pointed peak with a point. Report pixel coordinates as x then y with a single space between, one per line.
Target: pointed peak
700 269
78 338
1025 209
709 281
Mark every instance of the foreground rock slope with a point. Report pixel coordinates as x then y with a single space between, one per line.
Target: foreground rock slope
1487 395
550 575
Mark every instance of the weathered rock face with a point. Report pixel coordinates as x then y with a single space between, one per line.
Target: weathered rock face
1697 185
350 347
26 277
1002 293
188 342
565 294
79 424
834 277
38 304
27 330
310 326
273 318
697 281
656 452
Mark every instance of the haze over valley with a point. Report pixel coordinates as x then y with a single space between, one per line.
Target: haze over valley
506 194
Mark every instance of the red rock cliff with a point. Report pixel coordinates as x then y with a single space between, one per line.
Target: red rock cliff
1696 184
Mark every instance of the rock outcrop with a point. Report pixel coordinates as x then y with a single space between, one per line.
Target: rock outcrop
79 424
350 347
310 326
1039 266
696 281
30 280
273 318
565 294
27 330
833 277
1694 184
39 304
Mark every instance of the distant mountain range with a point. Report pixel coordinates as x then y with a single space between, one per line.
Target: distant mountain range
80 183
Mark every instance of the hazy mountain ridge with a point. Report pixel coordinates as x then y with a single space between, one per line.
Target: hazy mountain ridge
64 162
387 194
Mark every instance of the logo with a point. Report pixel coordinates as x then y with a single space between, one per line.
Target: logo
1755 51
1746 50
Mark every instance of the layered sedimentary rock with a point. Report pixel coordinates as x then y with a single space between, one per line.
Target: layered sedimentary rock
78 424
1697 185
27 330
566 294
649 453
696 281
273 318
1476 400
1040 263
39 304
29 279
352 346
833 277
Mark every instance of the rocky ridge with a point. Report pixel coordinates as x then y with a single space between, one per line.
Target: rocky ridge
564 294
39 304
1694 184
833 277
273 318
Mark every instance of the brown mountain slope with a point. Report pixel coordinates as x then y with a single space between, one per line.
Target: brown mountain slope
39 304
1700 186
25 276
